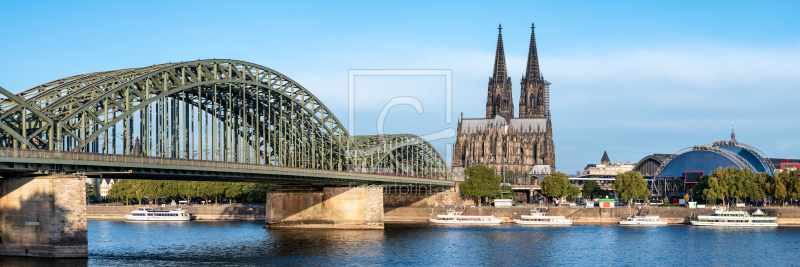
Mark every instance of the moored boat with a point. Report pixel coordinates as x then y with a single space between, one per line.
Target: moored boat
454 216
643 220
538 217
148 214
724 217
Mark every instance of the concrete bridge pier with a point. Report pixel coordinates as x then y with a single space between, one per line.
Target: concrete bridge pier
356 207
43 216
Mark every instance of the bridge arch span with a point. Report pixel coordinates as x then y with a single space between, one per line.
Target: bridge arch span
218 110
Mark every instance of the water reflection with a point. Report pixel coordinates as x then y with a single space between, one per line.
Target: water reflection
119 243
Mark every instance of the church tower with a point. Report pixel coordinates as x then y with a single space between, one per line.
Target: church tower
499 100
522 146
534 96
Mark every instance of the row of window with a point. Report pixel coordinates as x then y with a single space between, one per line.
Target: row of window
465 219
151 214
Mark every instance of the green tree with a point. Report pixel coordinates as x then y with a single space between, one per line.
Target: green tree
481 182
187 190
255 192
630 185
725 182
779 191
573 191
150 190
204 191
118 190
793 185
742 185
714 191
217 189
697 189
749 182
764 182
234 191
557 185
591 189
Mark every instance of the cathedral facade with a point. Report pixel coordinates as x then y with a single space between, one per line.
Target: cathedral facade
523 145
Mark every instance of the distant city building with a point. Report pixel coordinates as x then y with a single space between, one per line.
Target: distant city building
521 145
785 165
606 168
603 173
105 186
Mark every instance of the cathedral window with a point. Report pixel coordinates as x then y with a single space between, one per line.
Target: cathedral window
533 102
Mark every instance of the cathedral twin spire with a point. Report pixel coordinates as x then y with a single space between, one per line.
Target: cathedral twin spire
499 101
533 102
533 57
499 72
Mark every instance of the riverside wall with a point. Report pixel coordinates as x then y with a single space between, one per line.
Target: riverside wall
198 212
417 213
674 215
43 216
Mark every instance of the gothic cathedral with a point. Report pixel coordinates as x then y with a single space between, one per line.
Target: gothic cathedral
522 145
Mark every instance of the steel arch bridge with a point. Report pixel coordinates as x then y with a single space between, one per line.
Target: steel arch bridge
208 110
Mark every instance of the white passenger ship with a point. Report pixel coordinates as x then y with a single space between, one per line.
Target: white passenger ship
724 217
538 217
148 214
643 220
454 217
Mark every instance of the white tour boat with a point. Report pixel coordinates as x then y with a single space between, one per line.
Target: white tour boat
148 214
538 217
643 220
454 217
724 217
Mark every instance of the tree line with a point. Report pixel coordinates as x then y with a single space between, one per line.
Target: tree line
744 184
483 181
129 190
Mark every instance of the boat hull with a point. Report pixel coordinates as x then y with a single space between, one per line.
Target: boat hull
735 224
493 221
641 223
564 222
138 218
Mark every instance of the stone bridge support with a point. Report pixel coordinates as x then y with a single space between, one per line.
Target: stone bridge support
334 208
43 216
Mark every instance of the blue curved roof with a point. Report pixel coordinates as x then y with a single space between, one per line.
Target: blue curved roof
750 157
697 160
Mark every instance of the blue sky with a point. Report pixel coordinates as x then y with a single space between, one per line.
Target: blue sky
635 78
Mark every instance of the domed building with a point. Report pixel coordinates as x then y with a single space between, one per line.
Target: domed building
704 159
678 172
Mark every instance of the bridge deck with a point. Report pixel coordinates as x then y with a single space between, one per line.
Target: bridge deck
17 162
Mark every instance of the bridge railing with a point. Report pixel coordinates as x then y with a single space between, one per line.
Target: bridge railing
47 154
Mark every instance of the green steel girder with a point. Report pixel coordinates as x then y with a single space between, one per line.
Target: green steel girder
26 167
397 153
215 110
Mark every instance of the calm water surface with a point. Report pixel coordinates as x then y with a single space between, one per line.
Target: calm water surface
120 243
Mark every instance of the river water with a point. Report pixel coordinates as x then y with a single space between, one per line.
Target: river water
204 243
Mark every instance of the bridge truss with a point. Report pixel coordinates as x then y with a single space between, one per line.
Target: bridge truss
207 110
